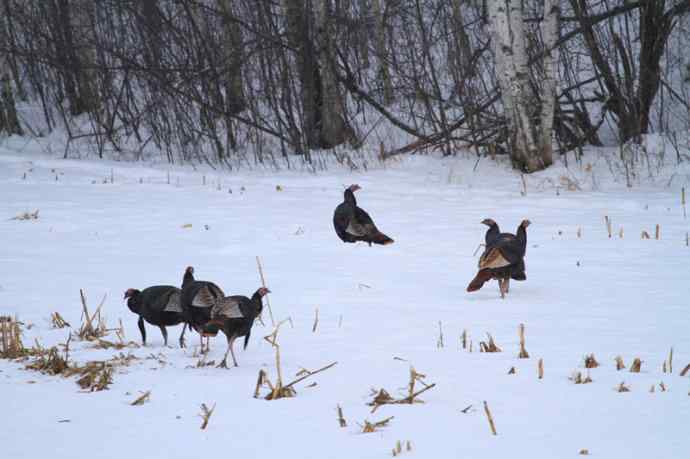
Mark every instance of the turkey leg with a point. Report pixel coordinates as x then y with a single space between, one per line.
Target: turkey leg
142 329
184 327
165 334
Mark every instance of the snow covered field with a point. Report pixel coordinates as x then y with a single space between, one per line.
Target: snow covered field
620 296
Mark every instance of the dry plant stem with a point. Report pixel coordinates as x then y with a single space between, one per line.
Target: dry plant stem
622 387
608 224
341 420
645 235
620 233
682 201
540 369
464 339
439 342
490 418
636 366
670 361
579 233
619 363
523 352
591 361
259 382
316 320
685 370
143 398
657 232
206 414
370 427
309 374
263 283
511 371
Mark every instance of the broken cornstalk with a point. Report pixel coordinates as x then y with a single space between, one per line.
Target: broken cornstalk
263 283
523 352
382 397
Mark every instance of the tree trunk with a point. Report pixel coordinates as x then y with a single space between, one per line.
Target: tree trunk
299 25
232 63
9 122
382 52
333 126
530 146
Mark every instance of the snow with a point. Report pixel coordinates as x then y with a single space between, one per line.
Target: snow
619 296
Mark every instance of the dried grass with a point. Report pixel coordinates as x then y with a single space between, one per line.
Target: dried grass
11 346
93 326
57 321
370 427
489 346
622 387
620 365
578 379
591 361
512 371
280 390
636 366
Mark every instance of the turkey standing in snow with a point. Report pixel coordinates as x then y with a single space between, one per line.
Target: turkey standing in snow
234 316
503 258
158 305
353 224
197 299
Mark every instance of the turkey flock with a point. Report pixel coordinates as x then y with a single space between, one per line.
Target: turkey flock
204 307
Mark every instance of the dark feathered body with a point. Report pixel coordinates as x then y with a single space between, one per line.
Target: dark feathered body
234 316
197 299
503 258
237 327
158 305
353 223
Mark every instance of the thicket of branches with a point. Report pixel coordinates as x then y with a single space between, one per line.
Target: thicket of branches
243 81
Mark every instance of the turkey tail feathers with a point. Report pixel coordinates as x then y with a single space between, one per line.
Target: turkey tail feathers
380 238
482 276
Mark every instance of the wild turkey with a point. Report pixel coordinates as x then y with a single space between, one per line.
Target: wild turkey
158 305
234 316
353 224
197 299
503 258
494 234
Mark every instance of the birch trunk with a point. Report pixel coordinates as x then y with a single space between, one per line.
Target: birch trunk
549 30
530 148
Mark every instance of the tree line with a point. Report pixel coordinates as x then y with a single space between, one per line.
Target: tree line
228 82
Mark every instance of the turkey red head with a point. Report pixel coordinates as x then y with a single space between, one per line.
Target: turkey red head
263 291
488 222
130 293
354 187
189 270
525 223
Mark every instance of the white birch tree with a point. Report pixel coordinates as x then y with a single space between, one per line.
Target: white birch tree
530 128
